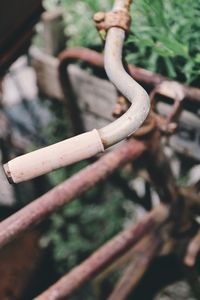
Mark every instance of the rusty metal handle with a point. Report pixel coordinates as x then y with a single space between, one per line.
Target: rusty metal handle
50 158
84 146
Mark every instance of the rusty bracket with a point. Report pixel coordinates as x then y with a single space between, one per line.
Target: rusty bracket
122 105
149 125
166 124
176 92
105 21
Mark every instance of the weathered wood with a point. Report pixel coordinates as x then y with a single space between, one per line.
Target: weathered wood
95 97
53 30
46 67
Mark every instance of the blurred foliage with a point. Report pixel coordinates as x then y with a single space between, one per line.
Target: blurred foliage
85 224
164 35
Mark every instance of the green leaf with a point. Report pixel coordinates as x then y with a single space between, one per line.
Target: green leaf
197 58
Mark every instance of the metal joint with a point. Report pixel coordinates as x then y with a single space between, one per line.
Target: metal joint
149 125
119 18
175 92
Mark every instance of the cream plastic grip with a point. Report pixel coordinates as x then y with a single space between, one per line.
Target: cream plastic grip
53 157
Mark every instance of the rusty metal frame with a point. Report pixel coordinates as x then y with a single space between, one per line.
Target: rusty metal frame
95 59
178 202
64 193
104 256
174 216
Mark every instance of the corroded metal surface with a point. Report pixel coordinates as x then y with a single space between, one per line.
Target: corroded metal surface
142 75
104 256
143 254
19 262
160 170
68 190
120 19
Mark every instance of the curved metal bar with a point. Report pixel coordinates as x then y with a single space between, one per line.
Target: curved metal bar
138 111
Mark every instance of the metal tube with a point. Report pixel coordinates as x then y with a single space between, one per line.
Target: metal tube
70 151
160 171
104 256
65 192
142 75
138 111
142 256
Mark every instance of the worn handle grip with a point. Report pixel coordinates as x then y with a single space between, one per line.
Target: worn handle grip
50 158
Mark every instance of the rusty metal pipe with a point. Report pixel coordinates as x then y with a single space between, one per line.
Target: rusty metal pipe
159 169
104 256
143 254
65 192
88 144
142 75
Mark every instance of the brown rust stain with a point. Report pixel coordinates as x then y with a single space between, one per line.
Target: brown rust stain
18 261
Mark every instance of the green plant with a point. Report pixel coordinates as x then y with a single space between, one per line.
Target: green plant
85 224
164 35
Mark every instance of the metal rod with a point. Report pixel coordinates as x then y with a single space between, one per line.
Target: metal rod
142 256
36 211
142 75
153 79
140 103
160 171
104 256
